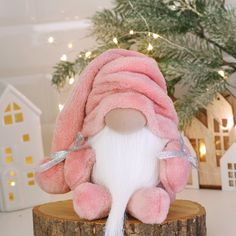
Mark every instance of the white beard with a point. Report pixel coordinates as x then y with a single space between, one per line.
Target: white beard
124 164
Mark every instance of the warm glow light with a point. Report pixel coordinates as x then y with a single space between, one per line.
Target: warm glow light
64 57
131 32
202 150
221 73
115 40
51 39
12 183
71 80
60 107
155 36
150 47
88 54
70 45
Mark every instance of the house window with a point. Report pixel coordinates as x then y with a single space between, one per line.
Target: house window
8 155
25 138
200 148
13 114
30 177
232 174
11 196
29 160
221 139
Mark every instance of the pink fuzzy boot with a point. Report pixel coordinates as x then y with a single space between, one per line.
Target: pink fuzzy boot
149 205
91 201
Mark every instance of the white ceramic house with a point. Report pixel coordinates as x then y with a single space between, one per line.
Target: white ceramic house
228 169
211 134
20 149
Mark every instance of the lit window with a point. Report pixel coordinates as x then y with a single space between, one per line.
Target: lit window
200 148
25 138
13 114
16 107
8 108
29 160
12 173
31 183
19 117
12 183
8 159
8 150
30 174
11 196
8 120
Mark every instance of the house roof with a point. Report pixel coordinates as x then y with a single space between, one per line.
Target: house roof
230 154
5 88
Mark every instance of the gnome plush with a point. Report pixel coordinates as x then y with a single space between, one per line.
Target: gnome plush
116 143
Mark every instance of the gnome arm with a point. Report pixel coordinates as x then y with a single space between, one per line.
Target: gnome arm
65 176
78 167
174 172
52 180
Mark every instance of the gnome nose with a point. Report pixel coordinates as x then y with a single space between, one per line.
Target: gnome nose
125 120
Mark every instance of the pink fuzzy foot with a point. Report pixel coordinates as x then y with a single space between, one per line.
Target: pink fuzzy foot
91 201
149 205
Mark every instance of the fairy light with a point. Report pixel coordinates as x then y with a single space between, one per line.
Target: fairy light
64 57
70 45
115 40
221 73
60 107
149 47
88 54
51 39
155 36
131 32
71 80
12 183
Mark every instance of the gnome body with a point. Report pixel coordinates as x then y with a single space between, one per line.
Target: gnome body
120 105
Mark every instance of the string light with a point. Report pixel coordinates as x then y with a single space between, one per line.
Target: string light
51 39
155 36
131 32
63 57
150 47
12 183
115 40
70 45
60 107
221 73
71 80
88 54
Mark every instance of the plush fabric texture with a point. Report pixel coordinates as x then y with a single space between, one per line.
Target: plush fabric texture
116 79
149 205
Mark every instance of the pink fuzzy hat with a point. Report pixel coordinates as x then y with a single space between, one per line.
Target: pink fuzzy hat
116 79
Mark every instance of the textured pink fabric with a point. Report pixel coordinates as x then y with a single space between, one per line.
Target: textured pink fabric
114 72
174 172
91 201
149 205
78 166
52 180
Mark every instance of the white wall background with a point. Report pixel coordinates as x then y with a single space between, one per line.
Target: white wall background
26 57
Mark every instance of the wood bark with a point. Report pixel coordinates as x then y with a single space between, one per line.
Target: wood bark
185 218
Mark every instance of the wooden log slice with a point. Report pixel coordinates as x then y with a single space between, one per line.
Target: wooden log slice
185 218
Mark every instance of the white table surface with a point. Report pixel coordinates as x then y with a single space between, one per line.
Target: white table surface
220 207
